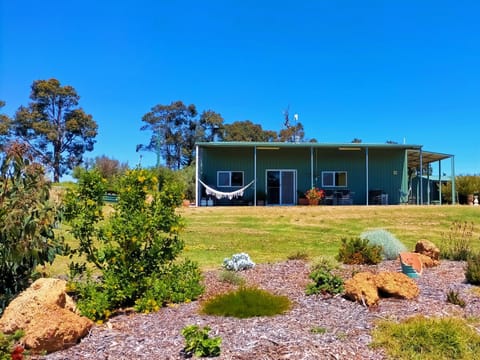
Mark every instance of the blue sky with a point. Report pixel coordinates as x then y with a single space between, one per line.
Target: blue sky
374 70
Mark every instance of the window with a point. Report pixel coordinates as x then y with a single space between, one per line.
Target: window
230 178
334 178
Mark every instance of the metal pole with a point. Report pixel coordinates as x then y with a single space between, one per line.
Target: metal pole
440 181
311 167
421 177
196 174
453 182
366 174
255 175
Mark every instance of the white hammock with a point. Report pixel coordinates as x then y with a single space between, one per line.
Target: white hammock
222 194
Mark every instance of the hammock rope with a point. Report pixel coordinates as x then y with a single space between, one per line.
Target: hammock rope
222 194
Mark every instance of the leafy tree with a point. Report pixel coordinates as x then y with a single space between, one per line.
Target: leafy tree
173 130
58 131
247 131
210 125
293 133
27 218
5 123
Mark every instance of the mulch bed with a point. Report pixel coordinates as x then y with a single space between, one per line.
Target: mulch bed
348 324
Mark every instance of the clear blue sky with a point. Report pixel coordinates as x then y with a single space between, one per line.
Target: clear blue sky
374 70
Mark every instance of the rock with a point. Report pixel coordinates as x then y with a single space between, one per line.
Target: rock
362 288
47 316
368 288
427 248
397 285
427 261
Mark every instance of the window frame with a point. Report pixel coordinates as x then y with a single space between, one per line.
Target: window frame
335 177
230 178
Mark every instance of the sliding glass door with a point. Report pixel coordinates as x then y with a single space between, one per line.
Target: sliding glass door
281 187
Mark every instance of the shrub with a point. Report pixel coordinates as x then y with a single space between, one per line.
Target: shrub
298 255
231 278
198 343
8 349
324 282
238 262
28 219
454 298
327 263
135 249
456 244
472 270
428 338
245 303
358 251
391 246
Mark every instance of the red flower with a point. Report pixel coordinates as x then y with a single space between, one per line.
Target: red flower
17 353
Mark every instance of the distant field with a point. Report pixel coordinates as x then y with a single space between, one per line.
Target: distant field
271 234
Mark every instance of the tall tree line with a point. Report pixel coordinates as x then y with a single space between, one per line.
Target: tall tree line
175 128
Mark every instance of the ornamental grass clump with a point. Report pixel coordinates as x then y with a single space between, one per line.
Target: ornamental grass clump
428 338
472 270
245 303
238 262
391 246
456 243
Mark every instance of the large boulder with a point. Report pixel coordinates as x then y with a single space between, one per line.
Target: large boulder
368 288
396 285
427 261
428 248
362 288
47 316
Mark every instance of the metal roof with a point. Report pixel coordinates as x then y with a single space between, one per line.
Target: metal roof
427 158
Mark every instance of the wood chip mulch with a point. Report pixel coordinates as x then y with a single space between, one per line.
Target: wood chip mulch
347 324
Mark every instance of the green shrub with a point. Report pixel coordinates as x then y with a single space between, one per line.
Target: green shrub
327 263
318 330
198 343
135 249
27 222
472 270
245 303
428 338
8 349
298 255
454 298
231 277
358 251
324 282
391 246
456 244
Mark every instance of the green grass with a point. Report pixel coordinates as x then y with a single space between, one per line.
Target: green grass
272 234
246 303
421 338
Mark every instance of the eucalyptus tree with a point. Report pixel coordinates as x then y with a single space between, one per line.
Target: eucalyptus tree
5 123
247 131
56 128
174 131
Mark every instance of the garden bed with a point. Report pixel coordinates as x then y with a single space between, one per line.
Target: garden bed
317 327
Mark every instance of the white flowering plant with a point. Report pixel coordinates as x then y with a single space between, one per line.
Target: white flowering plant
238 262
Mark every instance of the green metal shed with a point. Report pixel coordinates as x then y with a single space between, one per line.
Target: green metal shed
246 173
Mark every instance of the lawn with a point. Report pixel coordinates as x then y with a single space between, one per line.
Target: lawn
271 234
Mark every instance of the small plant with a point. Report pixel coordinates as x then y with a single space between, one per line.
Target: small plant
318 330
9 350
231 277
314 194
358 251
245 303
472 270
327 263
198 343
238 262
324 282
454 298
298 255
456 244
391 246
428 338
